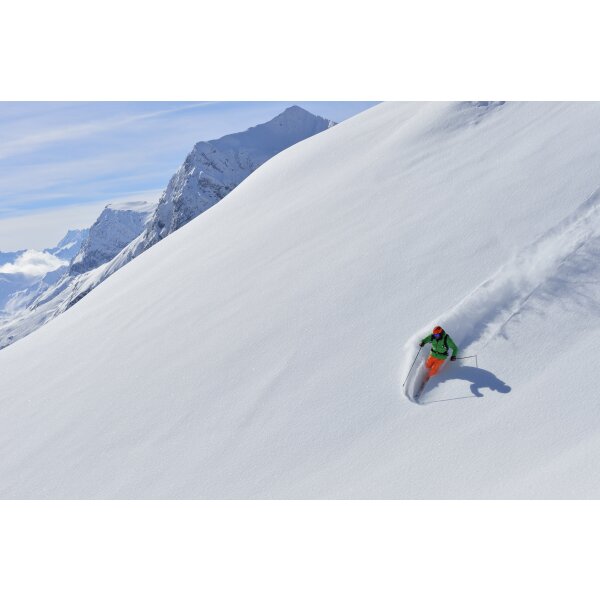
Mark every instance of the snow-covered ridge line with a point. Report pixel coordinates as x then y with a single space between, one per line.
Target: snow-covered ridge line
117 225
487 310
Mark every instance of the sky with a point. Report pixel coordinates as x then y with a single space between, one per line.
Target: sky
62 162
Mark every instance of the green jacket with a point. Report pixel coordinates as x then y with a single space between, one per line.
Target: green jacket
439 348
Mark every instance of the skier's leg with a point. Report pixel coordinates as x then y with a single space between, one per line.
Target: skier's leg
428 365
435 367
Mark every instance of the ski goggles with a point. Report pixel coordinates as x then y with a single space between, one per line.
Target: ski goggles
437 336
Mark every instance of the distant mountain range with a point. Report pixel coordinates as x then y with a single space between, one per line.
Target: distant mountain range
124 230
26 274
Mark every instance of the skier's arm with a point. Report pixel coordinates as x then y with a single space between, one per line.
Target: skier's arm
426 340
452 347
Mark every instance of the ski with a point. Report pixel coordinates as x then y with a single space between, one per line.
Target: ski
420 390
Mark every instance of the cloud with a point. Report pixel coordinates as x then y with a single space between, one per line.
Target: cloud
33 263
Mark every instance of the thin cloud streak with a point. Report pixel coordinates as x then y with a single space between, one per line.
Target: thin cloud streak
32 142
73 177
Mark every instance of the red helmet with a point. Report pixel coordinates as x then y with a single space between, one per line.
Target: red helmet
437 329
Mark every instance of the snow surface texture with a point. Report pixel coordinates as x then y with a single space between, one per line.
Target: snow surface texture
125 230
259 351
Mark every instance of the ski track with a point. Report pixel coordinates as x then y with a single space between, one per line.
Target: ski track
550 267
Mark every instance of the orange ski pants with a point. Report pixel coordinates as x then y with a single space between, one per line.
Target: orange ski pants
433 364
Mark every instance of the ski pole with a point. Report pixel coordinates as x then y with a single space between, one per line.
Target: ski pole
471 356
411 366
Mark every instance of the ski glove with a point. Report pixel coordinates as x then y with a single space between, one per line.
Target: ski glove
452 358
421 344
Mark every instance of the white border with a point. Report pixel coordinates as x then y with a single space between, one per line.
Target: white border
267 50
298 550
305 50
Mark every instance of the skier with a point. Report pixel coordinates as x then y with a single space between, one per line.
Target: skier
440 343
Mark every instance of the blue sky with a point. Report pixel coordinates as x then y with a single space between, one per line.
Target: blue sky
61 162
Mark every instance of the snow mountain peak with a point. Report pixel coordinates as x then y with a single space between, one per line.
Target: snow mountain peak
118 224
215 167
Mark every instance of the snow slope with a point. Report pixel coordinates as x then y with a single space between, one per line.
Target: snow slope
259 351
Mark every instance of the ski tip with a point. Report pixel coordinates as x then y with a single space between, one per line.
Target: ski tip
412 398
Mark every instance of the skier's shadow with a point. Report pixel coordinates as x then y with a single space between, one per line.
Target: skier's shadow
479 379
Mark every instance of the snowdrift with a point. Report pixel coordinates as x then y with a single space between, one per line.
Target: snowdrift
259 351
